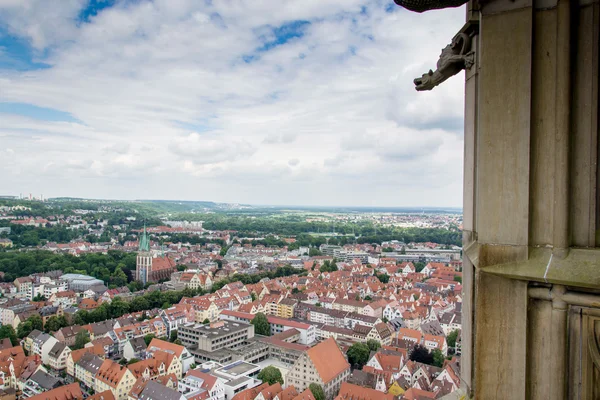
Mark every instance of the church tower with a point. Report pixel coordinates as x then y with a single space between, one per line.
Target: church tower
143 265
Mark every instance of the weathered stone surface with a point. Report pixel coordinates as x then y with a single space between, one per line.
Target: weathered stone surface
539 349
501 338
504 127
584 150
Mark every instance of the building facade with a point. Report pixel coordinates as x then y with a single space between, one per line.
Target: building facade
531 211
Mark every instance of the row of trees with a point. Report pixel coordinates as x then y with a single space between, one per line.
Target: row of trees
117 307
358 354
248 225
158 299
31 236
113 268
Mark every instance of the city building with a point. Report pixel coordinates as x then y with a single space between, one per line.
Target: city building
214 336
114 377
150 267
67 392
86 369
530 197
58 355
324 364
197 383
308 332
183 358
81 283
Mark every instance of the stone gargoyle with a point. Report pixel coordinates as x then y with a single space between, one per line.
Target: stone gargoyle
454 58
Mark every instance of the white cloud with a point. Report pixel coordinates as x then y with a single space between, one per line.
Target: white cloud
163 95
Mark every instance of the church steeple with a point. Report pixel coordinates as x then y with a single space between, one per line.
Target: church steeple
144 241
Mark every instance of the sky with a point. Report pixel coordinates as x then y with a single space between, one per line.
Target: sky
287 102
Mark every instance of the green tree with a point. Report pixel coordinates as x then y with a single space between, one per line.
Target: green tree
82 337
373 344
148 338
80 317
52 324
118 277
458 279
206 321
8 332
118 307
419 266
36 322
317 391
368 298
314 252
358 354
451 338
438 358
295 290
271 375
261 325
62 321
133 361
173 336
39 297
253 296
421 354
24 329
383 278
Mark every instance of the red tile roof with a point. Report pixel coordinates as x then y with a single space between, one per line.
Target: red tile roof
68 392
349 391
106 395
328 359
250 394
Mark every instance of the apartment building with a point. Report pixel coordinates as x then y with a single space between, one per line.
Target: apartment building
198 384
75 355
39 382
86 369
58 356
116 378
308 333
348 305
67 392
285 308
321 315
323 364
183 359
215 336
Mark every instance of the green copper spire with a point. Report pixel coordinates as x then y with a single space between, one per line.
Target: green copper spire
144 241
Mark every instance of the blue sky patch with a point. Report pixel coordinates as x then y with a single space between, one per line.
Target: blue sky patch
93 8
284 33
249 58
17 54
197 127
35 112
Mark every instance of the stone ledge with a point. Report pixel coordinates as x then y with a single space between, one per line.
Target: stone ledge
581 268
